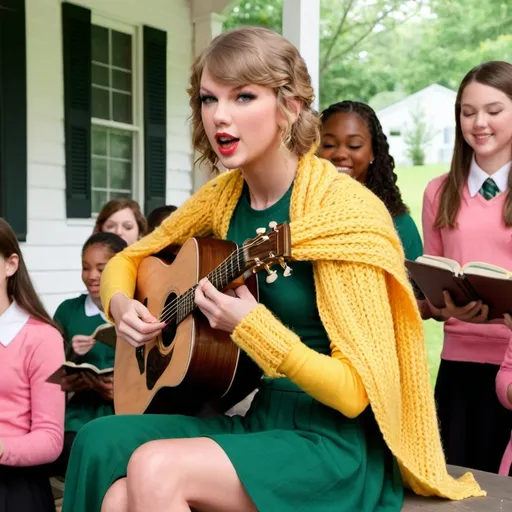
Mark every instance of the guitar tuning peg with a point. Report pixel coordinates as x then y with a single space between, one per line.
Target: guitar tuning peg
287 271
261 231
272 276
272 224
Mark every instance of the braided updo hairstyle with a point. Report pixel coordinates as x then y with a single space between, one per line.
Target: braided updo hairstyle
381 177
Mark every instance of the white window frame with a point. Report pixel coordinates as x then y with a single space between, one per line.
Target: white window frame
137 103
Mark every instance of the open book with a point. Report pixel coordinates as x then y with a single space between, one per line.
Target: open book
472 281
70 368
106 334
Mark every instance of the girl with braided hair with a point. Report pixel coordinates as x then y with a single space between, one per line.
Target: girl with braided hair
353 140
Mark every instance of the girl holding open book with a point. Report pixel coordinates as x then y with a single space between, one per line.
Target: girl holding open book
92 395
352 139
339 340
31 410
467 216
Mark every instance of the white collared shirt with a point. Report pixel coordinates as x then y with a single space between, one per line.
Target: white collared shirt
92 310
477 177
12 321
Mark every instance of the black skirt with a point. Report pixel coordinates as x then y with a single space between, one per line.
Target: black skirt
25 490
475 427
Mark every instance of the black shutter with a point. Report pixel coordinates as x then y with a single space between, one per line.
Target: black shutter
155 114
13 116
76 43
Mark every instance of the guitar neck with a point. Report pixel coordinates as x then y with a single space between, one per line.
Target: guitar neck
229 270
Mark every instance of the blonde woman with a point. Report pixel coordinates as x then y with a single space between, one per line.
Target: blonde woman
346 400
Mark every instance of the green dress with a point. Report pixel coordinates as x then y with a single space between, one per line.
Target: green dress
85 405
409 235
291 452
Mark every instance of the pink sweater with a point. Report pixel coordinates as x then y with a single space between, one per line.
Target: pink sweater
503 381
480 235
31 410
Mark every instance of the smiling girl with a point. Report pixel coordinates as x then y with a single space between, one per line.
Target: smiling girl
354 142
79 318
340 340
467 216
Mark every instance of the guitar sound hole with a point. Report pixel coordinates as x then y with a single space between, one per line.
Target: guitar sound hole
169 314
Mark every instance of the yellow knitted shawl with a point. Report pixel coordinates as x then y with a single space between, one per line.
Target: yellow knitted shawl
335 221
334 218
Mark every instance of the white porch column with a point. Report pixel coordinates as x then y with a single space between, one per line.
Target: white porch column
301 26
206 27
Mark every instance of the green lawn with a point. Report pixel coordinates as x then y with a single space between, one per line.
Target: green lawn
412 182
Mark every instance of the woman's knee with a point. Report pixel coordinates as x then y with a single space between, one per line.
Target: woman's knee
116 499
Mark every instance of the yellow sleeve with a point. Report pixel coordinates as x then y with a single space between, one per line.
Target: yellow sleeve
194 218
332 380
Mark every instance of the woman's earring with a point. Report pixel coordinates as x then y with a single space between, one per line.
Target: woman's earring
371 162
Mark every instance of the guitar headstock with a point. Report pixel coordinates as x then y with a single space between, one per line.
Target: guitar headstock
269 248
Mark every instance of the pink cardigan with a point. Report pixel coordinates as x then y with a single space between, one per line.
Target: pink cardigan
31 410
503 381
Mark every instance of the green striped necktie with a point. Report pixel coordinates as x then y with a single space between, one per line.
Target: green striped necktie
489 189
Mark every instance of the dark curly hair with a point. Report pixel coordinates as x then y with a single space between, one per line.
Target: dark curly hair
381 178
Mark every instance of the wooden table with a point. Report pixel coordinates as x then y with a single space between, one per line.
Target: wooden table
498 499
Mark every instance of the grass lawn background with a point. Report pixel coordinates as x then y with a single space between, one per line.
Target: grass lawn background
412 182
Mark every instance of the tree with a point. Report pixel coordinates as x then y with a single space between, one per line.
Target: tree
418 137
260 13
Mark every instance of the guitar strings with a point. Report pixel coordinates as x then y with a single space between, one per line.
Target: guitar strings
221 271
169 311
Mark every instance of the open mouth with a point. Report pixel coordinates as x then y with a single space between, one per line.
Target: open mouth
343 169
227 143
482 137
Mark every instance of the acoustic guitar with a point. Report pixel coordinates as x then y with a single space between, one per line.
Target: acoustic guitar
192 368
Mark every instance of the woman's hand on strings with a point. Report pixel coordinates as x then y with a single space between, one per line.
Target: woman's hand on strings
224 311
134 323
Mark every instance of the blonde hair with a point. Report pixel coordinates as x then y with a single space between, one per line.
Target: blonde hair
254 55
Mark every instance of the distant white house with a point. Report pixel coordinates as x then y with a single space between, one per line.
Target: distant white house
437 105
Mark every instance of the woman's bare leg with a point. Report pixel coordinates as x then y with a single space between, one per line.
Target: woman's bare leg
116 499
184 474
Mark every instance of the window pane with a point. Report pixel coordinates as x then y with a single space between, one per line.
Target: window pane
100 103
122 107
121 145
99 172
100 44
119 195
121 50
100 75
121 175
99 198
99 141
122 80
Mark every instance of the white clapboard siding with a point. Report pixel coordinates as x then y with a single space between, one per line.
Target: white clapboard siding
54 243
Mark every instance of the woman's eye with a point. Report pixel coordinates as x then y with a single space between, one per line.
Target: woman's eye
327 146
495 113
245 97
355 147
207 99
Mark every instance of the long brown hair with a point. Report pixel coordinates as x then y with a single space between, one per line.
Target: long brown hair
19 286
496 74
116 205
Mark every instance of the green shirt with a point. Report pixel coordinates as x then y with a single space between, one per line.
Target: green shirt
85 405
409 235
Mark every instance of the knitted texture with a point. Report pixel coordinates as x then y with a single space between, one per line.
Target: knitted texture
370 316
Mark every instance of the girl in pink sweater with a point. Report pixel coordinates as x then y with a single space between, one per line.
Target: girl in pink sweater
467 216
31 410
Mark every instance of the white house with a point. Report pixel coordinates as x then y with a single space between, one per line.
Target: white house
437 104
93 105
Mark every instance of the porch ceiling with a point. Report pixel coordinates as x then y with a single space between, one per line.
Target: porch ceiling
200 8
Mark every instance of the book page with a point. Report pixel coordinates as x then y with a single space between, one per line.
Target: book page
486 269
440 262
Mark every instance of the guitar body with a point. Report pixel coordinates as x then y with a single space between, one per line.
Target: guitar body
190 368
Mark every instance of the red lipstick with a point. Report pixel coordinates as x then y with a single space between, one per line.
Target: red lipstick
226 143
